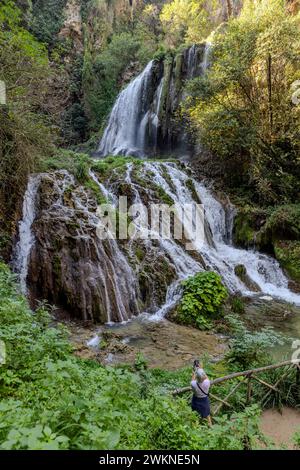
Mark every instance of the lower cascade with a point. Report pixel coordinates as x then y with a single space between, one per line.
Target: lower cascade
59 256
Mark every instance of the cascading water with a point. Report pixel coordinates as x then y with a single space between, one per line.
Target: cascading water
124 134
26 236
135 123
221 255
217 251
92 269
109 275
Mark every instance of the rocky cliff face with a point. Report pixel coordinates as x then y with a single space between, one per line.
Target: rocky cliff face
62 257
73 28
68 264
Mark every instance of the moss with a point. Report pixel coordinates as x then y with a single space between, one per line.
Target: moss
57 265
191 187
106 166
288 254
178 72
163 196
247 225
100 198
140 254
240 270
282 223
68 160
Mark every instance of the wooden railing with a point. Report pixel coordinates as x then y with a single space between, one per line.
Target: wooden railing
247 377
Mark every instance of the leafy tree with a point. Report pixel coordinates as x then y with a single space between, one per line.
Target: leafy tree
242 109
24 136
189 20
46 19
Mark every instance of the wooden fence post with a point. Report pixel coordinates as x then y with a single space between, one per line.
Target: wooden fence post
249 389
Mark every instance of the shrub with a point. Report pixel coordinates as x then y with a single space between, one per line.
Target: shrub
249 349
203 296
237 304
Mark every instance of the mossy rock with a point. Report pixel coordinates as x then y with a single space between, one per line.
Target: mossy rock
287 252
241 272
191 187
282 224
247 225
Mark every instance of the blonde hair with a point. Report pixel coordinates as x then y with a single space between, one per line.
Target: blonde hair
200 375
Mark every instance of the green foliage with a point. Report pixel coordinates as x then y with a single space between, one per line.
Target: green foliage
108 165
102 73
297 439
188 20
276 230
249 349
52 400
241 109
288 254
47 19
237 304
24 134
202 299
282 223
76 163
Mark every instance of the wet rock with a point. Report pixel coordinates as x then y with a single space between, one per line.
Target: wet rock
69 265
241 271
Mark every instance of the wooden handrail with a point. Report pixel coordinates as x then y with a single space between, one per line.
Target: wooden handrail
244 373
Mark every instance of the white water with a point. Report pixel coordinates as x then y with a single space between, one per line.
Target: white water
26 236
220 256
118 280
124 281
134 120
125 132
215 248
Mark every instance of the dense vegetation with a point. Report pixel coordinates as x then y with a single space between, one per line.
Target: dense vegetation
61 79
51 399
202 299
243 108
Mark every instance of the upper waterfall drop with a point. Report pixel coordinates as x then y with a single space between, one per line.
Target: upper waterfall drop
141 121
124 134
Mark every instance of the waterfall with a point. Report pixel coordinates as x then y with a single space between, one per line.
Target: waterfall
134 125
125 132
218 254
26 237
217 251
205 62
124 280
103 275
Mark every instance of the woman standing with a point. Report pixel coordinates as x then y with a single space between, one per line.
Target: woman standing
200 402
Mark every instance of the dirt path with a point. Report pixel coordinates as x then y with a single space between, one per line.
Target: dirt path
280 427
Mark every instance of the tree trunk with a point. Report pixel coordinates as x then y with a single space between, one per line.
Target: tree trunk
229 8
